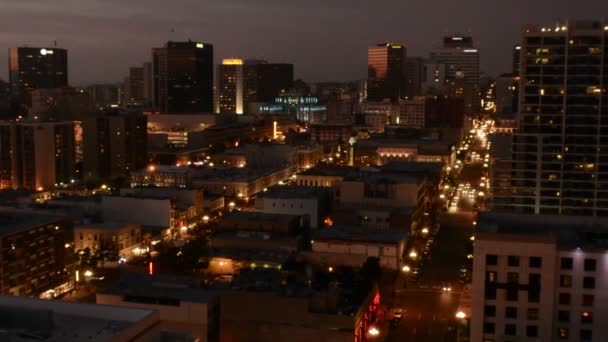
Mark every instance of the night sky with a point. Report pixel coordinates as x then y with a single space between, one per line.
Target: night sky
325 39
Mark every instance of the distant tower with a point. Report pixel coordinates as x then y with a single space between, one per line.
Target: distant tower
386 72
461 60
230 86
34 68
183 77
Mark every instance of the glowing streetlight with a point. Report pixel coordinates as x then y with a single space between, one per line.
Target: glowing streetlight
88 273
206 218
425 230
405 269
373 331
413 254
461 315
330 269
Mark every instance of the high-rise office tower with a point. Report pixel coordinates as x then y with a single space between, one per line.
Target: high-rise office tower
516 71
183 77
148 84
386 72
414 71
114 144
36 155
229 87
559 153
462 69
135 87
33 68
265 81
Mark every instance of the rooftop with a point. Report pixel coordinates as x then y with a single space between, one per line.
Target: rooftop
15 220
362 234
160 289
295 191
164 169
568 231
413 167
257 215
376 177
329 170
234 174
105 226
26 319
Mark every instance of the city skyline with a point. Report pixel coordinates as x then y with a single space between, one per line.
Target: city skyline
124 37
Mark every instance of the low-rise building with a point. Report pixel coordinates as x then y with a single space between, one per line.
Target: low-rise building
121 239
213 203
264 310
240 182
539 278
162 176
27 319
315 202
37 253
250 239
341 246
377 189
324 175
159 215
181 304
330 133
382 150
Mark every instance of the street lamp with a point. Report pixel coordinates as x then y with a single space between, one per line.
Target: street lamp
425 230
413 254
461 315
373 331
405 268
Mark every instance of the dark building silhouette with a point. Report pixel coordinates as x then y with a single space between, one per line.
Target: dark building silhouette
183 77
444 112
265 81
115 143
461 59
386 72
34 68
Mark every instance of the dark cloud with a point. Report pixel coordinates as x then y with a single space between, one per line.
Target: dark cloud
326 40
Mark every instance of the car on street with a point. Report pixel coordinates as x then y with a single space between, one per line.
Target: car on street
397 314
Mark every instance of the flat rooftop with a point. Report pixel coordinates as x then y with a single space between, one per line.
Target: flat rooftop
159 289
234 174
295 191
105 226
25 319
257 215
15 220
329 170
375 177
568 231
413 167
164 169
363 234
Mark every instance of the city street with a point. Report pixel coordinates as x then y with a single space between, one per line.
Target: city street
429 308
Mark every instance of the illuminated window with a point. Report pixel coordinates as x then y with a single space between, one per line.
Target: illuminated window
586 317
565 281
532 314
